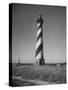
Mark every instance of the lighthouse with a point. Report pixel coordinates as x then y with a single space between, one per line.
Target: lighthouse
39 55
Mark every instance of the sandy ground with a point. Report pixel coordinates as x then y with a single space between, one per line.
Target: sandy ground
38 82
29 75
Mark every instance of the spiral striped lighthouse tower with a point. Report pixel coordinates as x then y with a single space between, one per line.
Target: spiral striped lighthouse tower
39 55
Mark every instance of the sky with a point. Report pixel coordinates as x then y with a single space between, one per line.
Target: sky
24 31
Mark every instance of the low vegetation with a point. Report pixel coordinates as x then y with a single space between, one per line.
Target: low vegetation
47 73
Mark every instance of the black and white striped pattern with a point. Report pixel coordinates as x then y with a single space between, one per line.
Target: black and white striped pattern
39 42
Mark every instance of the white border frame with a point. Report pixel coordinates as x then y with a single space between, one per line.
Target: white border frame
4 44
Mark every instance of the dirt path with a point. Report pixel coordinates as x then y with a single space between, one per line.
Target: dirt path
38 82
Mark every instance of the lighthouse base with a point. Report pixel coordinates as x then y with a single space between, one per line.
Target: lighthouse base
40 62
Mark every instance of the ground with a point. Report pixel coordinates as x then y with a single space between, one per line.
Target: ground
28 75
